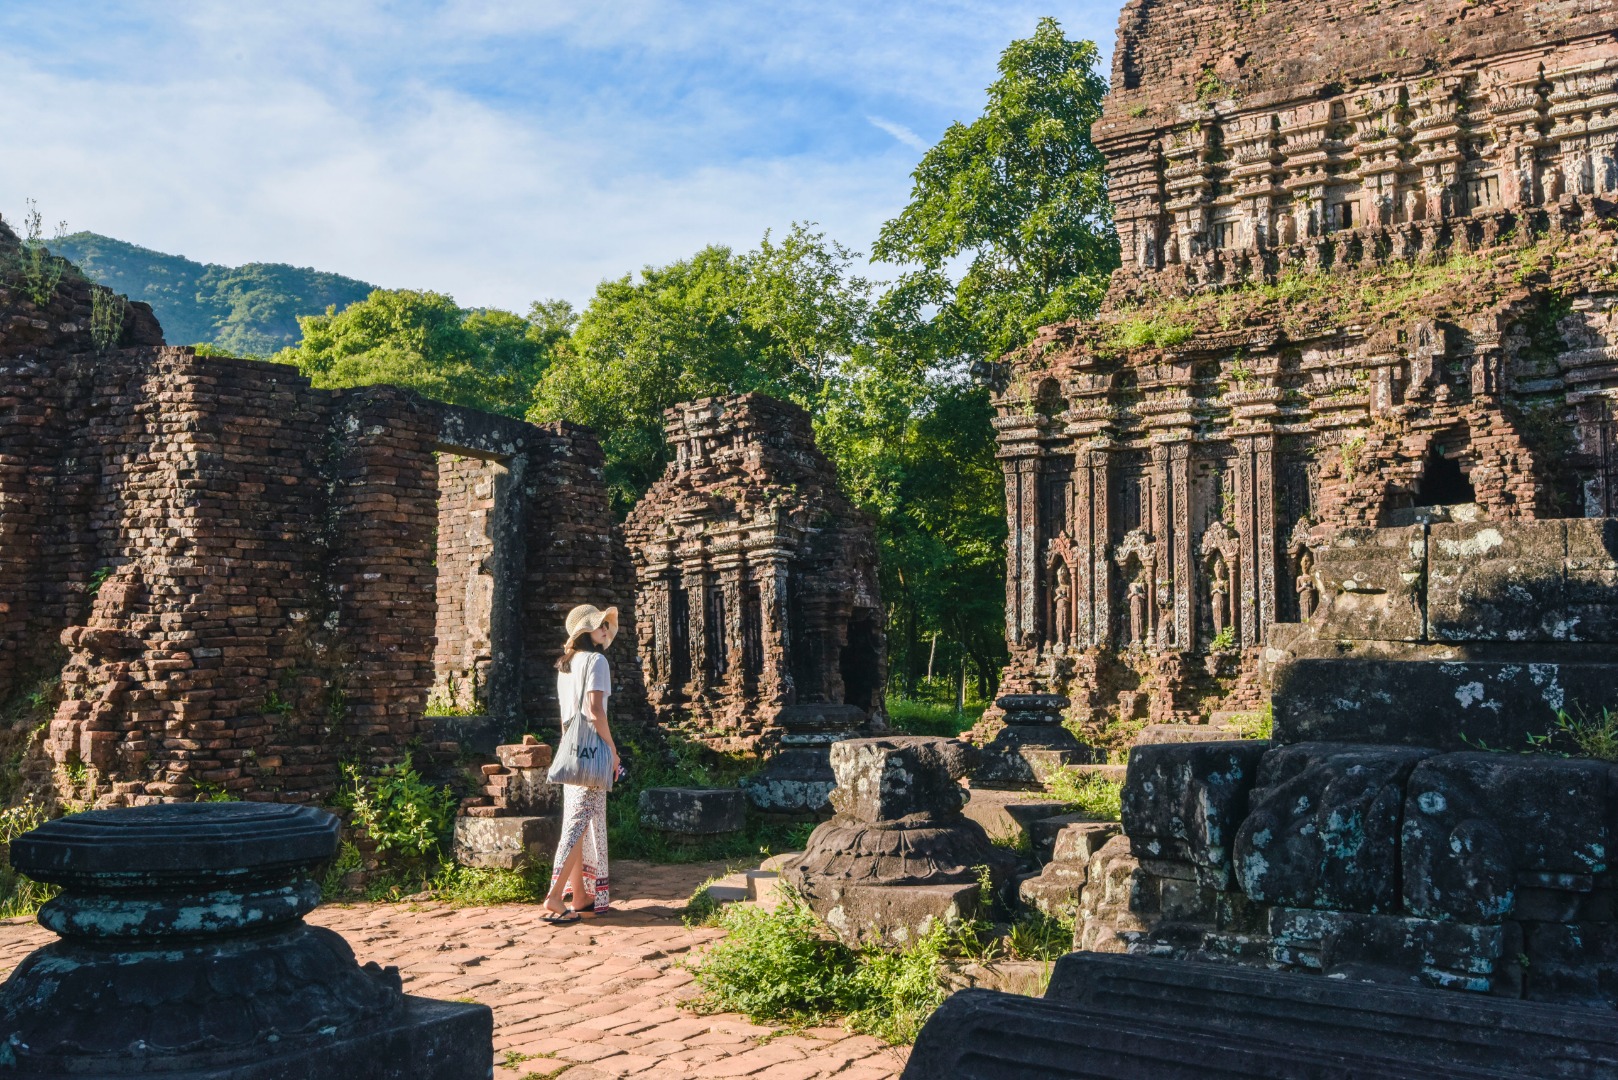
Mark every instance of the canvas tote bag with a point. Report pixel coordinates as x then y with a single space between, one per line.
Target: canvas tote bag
582 758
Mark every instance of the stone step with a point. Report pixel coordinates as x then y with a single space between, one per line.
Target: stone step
1009 814
765 888
730 889
1158 734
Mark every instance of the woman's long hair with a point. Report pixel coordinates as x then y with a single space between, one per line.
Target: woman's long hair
582 643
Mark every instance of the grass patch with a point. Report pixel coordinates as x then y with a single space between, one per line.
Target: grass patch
1041 936
917 717
783 967
1259 724
466 886
1091 793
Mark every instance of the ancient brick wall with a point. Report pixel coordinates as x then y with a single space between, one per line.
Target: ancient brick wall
757 579
237 576
1370 267
466 585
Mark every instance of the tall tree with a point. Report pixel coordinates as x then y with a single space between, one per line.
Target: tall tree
1021 192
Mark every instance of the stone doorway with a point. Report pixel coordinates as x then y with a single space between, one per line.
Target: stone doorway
861 660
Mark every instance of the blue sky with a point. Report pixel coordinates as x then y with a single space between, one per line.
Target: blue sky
500 152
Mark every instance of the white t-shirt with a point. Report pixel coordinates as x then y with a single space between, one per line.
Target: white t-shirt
593 669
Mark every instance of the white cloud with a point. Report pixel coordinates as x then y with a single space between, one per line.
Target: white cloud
900 132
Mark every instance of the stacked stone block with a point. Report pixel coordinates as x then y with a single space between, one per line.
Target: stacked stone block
1423 814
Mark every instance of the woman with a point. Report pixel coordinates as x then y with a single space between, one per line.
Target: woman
580 866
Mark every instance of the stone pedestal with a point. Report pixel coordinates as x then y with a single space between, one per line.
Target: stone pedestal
898 854
184 955
1030 746
797 780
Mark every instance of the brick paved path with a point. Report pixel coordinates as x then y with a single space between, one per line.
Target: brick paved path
600 998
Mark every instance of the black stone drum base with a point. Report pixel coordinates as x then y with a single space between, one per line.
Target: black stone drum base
184 954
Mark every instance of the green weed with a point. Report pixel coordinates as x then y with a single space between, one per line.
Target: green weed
1255 725
398 810
19 894
1041 936
782 966
1091 793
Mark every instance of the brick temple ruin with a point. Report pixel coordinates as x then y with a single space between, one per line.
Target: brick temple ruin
243 581
1370 266
757 582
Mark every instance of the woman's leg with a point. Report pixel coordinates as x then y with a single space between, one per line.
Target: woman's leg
595 842
567 867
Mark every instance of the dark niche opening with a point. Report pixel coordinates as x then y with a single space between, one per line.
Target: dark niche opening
1443 482
860 661
679 638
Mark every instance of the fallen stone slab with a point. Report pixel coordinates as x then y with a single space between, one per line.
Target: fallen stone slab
684 811
1118 1017
505 843
1442 704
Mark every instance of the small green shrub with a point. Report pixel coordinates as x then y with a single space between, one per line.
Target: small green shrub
1255 725
398 810
1041 936
348 860
107 310
20 895
1092 793
776 966
38 271
783 967
1225 639
465 886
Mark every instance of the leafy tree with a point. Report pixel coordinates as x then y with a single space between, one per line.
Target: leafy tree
485 359
1021 191
776 320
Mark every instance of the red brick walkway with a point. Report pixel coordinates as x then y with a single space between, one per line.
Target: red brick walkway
600 998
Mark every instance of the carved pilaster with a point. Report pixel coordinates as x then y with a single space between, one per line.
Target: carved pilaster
1264 530
1184 570
1100 538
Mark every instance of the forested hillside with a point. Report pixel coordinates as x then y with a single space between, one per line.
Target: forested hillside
245 310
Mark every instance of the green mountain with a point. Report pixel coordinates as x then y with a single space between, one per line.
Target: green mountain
249 310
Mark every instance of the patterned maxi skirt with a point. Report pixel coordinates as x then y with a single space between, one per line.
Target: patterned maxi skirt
584 821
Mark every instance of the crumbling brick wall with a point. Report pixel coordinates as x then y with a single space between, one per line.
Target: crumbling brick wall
1370 264
243 571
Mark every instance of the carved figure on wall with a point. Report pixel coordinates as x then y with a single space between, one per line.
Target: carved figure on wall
1062 598
1137 613
1551 183
1307 596
1219 595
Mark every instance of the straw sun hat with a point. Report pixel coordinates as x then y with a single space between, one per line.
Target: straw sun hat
586 618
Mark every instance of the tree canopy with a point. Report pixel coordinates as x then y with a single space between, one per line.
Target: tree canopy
1021 192
484 359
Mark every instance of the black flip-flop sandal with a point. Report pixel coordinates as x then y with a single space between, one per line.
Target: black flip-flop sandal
560 919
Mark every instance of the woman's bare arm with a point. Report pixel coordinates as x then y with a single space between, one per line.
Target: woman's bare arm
595 706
